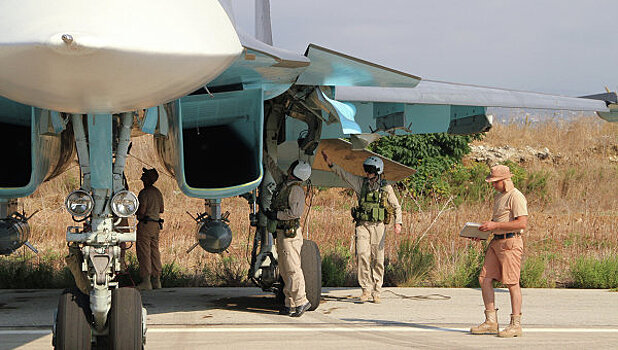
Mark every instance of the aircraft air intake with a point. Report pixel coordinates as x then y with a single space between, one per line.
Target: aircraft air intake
214 143
16 141
218 156
38 145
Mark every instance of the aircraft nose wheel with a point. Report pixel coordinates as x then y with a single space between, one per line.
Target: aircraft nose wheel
126 320
72 329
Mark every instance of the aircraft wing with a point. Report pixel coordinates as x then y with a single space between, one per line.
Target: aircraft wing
434 106
332 68
443 93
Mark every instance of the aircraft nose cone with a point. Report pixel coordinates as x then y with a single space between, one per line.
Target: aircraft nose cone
83 57
214 236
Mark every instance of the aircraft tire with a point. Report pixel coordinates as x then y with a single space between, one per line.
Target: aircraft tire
125 319
311 263
72 327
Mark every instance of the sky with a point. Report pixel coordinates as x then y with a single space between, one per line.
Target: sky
552 46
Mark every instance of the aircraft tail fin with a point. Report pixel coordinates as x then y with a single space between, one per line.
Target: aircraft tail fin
263 28
608 97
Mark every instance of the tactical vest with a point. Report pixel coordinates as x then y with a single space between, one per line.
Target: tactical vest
280 202
373 205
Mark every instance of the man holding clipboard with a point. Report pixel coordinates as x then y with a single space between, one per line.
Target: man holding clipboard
503 255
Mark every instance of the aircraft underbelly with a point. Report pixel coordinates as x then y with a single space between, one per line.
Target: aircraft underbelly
111 56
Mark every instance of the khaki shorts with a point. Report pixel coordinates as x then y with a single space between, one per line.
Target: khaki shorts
503 260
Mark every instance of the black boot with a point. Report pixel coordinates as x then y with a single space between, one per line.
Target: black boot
286 311
300 310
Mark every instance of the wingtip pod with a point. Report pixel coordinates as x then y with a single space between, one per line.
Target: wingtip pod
612 115
611 100
111 56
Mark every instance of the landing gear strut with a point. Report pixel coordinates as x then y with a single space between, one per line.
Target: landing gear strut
101 312
264 271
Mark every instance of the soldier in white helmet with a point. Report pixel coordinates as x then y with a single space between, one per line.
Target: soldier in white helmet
286 209
377 204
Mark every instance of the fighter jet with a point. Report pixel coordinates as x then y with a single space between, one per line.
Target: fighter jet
83 78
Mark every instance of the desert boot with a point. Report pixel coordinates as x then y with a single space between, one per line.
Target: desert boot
490 326
513 329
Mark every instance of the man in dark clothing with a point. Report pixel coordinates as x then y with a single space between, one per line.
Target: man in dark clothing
147 245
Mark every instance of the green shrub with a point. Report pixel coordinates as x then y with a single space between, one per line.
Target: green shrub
431 155
533 273
227 271
440 173
172 275
590 272
412 266
468 265
467 183
20 273
335 271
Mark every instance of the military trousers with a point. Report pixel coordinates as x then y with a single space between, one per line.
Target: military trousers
147 246
288 251
370 256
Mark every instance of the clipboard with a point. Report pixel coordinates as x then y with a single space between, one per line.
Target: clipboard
471 230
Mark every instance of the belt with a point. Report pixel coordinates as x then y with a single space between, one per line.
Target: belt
507 235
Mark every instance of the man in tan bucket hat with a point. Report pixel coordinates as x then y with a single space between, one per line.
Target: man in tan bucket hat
503 255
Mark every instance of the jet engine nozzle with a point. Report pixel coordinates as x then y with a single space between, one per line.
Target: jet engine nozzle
14 232
214 236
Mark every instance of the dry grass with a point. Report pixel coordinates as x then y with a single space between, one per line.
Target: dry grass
581 217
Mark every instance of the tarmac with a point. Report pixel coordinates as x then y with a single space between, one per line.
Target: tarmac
417 318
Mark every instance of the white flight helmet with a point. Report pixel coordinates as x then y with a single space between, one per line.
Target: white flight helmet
302 170
373 165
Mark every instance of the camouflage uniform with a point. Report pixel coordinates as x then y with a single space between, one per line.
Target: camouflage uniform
370 235
289 201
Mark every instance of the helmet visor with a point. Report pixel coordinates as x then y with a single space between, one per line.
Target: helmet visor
370 169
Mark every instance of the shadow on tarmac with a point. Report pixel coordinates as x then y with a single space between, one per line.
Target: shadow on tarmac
403 324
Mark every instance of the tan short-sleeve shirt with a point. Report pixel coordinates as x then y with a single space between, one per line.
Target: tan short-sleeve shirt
150 203
508 206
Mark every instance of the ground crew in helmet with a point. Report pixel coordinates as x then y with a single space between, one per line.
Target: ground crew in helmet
377 206
503 255
286 209
150 223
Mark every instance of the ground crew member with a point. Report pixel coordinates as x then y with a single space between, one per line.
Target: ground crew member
377 203
286 209
150 223
503 256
